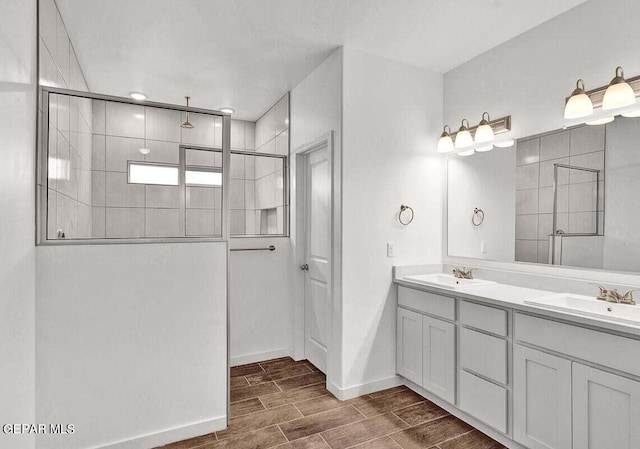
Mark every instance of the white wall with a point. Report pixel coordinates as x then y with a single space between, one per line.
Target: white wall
17 193
486 181
131 342
316 109
530 75
391 122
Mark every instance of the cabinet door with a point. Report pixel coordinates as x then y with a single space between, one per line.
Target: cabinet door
606 410
541 399
438 357
409 345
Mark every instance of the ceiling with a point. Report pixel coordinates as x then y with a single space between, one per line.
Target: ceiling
246 54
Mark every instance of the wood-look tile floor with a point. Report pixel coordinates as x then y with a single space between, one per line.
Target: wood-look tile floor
283 404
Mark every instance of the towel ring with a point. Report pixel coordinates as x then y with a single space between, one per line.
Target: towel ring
478 217
405 217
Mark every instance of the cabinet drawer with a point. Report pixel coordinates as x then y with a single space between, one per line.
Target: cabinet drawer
597 347
484 354
483 400
426 302
485 318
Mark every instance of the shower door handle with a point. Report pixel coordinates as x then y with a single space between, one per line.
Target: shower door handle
304 267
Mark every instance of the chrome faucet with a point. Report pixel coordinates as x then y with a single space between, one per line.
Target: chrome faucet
463 272
613 296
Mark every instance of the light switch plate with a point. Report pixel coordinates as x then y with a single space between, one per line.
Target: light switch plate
391 249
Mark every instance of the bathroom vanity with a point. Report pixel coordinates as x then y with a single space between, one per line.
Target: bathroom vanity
528 375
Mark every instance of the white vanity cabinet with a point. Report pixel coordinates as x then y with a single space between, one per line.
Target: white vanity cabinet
560 402
606 410
409 345
541 399
426 338
528 380
439 357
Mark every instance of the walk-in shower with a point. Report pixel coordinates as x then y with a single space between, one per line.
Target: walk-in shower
113 168
575 190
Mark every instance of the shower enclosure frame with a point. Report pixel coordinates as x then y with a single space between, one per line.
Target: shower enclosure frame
42 171
554 232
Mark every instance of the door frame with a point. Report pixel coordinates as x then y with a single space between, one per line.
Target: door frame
298 235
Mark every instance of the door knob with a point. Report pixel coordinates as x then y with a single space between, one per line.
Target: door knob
304 267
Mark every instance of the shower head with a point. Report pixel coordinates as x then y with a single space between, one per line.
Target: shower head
187 124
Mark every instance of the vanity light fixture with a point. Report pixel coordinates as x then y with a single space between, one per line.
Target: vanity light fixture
445 144
187 124
579 104
484 131
619 93
139 96
463 136
463 141
227 110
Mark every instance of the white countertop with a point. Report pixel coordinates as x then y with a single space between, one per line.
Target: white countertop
513 297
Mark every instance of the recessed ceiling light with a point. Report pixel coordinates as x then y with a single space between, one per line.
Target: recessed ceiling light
227 110
138 96
144 150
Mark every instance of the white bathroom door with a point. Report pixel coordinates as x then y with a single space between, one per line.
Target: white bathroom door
317 265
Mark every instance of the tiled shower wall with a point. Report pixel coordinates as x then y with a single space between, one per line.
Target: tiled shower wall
272 136
123 210
535 159
69 166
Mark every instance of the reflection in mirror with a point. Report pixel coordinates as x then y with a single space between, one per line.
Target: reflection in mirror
566 197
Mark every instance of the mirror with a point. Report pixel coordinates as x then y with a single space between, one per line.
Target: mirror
566 197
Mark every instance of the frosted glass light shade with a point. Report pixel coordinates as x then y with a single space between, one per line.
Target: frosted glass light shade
484 131
484 134
463 137
618 96
578 106
445 144
619 93
484 149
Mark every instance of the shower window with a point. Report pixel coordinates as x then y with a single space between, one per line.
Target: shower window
110 168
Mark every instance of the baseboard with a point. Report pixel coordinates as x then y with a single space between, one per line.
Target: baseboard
169 436
452 409
358 390
259 356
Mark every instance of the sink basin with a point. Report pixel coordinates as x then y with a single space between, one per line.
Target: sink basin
590 307
443 280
